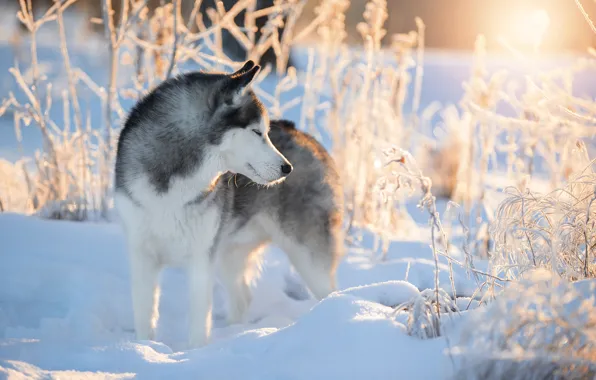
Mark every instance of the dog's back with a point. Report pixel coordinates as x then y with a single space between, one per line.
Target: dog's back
309 203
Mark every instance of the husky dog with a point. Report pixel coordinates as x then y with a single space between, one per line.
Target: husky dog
204 181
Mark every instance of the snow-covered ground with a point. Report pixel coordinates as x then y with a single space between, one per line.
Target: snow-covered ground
65 306
65 312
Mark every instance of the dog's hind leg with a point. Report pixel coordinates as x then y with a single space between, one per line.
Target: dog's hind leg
315 265
145 290
315 258
238 266
314 247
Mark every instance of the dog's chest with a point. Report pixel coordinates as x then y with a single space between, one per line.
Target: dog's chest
185 233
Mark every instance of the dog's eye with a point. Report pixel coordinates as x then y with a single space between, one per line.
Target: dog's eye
257 132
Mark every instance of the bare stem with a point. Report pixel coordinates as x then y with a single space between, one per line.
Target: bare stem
176 36
110 35
586 15
586 240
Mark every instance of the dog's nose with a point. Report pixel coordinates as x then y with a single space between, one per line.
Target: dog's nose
286 168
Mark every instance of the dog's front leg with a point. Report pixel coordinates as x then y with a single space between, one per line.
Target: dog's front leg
200 278
145 293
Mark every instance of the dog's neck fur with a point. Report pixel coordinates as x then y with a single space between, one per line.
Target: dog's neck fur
207 193
204 181
190 189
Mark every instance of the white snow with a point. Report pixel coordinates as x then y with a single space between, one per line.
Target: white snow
65 306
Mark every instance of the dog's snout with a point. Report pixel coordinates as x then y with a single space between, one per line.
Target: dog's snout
286 169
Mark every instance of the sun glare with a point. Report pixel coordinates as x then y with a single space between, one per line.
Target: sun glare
528 27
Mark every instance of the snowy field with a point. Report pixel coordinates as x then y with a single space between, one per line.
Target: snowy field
65 305
65 312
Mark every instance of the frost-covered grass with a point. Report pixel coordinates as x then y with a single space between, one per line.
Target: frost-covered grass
426 143
553 230
544 327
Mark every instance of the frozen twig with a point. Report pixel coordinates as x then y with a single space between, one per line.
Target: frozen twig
586 15
176 36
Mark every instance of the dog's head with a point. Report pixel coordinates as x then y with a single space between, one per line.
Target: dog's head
240 125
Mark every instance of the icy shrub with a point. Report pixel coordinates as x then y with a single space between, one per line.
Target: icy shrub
445 160
554 230
425 312
13 187
355 96
542 327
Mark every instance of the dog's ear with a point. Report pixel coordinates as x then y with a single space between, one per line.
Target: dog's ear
237 82
232 88
247 66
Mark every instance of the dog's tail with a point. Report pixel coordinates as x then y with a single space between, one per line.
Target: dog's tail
284 123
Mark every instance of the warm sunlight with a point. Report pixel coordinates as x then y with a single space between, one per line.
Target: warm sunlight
526 27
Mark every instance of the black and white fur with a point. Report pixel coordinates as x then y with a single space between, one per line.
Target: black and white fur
203 181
